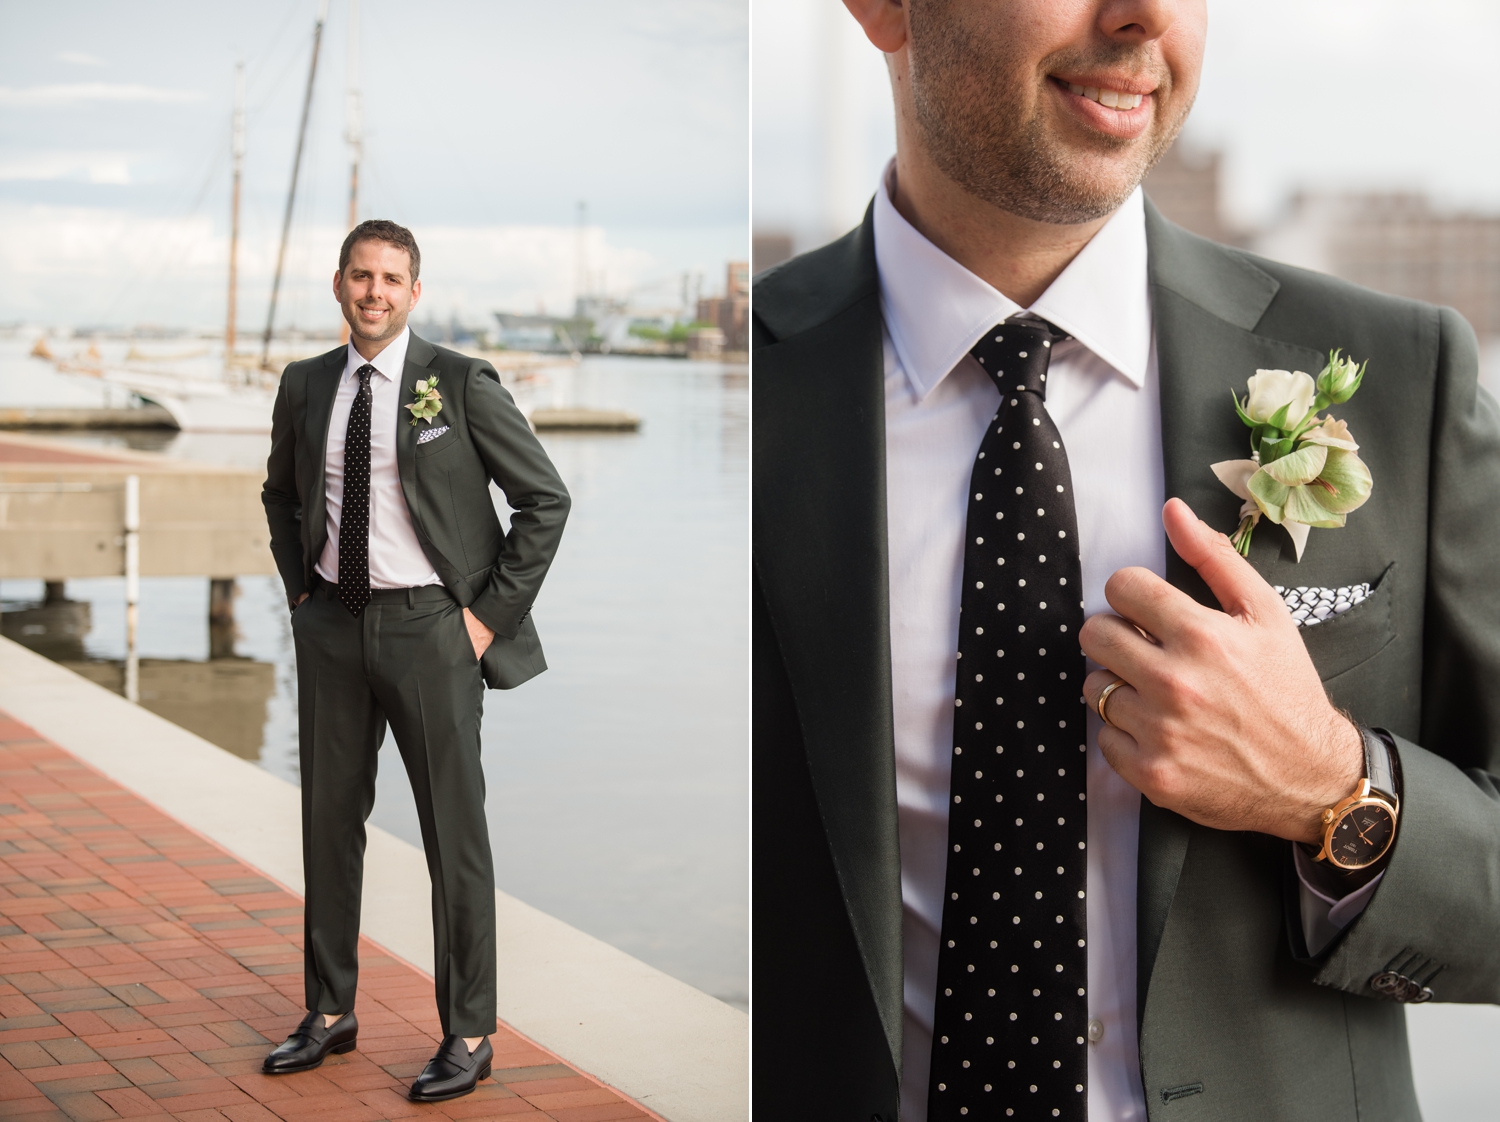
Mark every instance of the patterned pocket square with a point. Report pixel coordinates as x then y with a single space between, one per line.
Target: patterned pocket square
1311 606
431 434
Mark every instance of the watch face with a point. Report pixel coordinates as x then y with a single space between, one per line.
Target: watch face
1361 836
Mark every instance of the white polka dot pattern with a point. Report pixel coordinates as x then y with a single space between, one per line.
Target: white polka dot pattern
1012 966
354 521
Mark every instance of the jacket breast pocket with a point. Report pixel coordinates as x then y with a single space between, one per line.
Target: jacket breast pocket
438 443
1342 642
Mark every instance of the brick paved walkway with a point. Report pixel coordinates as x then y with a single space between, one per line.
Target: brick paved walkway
146 972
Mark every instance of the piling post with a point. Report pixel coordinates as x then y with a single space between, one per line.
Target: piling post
132 585
221 594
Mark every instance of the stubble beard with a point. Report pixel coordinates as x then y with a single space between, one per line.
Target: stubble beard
978 116
394 324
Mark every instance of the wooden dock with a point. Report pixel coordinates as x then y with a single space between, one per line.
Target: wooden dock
578 419
62 513
146 417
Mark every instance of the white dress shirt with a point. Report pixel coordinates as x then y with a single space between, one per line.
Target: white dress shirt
396 557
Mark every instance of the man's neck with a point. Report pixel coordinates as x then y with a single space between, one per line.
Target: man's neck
369 348
1018 256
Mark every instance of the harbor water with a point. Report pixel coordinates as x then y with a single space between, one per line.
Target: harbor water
617 781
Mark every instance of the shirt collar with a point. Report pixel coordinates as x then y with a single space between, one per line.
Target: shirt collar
935 309
389 362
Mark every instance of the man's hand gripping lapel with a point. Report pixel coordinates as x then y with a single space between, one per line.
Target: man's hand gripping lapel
1221 716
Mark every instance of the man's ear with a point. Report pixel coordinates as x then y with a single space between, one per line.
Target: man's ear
338 275
416 292
884 22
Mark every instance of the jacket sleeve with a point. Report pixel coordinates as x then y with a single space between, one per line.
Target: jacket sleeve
1438 906
516 461
282 501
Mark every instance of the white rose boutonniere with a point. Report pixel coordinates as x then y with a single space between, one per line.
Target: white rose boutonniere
429 402
1303 470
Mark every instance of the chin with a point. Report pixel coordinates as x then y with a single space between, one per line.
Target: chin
372 334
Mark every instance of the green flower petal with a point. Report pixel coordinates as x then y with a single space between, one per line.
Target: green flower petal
1299 467
1268 494
1349 479
1303 505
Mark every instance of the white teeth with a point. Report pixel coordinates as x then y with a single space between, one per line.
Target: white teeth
1114 99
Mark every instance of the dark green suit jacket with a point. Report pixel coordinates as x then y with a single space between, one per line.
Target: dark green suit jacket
494 574
1227 997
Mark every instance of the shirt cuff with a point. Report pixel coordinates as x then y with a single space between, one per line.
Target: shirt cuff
1325 915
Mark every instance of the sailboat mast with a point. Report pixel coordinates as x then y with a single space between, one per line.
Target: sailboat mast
234 210
355 131
291 195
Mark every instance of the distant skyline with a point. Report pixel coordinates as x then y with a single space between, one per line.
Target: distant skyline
1320 94
485 124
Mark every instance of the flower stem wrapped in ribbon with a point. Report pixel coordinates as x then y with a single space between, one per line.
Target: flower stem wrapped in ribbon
1303 470
429 402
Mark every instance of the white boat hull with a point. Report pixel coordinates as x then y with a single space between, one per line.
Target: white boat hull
201 405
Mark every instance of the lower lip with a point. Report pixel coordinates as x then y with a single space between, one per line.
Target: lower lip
1124 123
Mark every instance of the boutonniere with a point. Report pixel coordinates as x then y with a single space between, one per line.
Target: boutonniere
429 402
1303 469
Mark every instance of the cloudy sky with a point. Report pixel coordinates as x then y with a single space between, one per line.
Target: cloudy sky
1299 93
486 122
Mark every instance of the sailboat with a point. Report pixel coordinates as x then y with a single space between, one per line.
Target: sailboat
239 397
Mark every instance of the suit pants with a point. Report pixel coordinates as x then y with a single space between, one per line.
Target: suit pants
407 660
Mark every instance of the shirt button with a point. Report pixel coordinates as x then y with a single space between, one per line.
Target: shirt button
1096 1030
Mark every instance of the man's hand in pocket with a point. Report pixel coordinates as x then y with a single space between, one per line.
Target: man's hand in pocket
480 635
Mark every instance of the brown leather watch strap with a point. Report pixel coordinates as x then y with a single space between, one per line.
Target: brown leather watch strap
1382 767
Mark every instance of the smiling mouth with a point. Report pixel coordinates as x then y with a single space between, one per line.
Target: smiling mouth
1110 99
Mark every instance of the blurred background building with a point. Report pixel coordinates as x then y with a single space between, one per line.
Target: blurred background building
730 313
1397 242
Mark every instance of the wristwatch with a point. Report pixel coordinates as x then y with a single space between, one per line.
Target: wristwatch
1359 831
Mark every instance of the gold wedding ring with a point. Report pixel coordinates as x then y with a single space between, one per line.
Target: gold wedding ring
1104 697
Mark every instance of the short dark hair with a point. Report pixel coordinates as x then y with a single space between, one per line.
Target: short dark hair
383 230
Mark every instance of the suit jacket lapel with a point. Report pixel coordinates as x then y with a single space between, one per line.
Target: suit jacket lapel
322 388
819 524
419 356
1206 300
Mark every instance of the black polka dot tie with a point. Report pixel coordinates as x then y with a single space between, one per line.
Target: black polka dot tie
354 518
1009 1027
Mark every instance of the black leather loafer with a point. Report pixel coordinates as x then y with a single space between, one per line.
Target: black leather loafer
453 1071
312 1041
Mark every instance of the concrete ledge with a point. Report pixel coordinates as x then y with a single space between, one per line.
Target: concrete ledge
672 1048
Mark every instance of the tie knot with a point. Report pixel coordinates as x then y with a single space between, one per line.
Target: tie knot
365 372
1015 355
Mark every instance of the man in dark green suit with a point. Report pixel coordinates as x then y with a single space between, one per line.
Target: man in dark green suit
408 598
1245 1000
